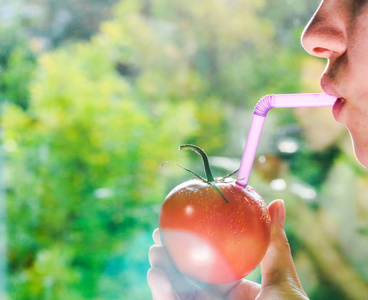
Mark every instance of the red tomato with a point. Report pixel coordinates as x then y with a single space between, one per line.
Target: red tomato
210 240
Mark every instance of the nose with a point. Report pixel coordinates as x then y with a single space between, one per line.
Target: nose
325 34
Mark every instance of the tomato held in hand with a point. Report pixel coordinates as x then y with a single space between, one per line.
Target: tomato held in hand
214 230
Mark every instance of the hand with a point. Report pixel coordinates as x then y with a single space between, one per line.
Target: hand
279 278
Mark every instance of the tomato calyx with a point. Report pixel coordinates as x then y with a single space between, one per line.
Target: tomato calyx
209 176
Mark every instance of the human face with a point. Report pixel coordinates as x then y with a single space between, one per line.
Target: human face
338 31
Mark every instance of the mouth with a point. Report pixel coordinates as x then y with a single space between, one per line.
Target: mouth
336 109
330 89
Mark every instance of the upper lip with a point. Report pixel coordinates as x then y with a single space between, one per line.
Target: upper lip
328 87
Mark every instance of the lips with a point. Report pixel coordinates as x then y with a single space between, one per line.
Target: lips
329 88
336 109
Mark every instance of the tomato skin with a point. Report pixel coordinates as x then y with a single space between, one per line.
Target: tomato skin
210 240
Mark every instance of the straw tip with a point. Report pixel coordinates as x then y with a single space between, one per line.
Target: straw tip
241 185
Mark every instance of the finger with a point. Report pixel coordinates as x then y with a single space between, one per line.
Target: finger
244 290
160 285
277 266
156 237
159 259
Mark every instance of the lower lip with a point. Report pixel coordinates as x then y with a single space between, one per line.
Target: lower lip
336 109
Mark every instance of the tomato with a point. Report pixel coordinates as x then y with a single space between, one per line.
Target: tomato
214 230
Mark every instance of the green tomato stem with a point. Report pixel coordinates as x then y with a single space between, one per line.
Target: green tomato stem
207 169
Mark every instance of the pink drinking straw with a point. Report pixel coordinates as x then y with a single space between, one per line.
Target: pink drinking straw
260 111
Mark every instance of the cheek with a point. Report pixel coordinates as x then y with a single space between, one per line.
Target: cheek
357 45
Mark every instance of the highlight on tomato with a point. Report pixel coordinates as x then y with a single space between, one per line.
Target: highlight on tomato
213 230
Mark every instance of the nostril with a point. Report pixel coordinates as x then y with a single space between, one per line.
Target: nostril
319 50
322 52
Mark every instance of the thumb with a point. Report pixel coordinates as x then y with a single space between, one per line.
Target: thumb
277 266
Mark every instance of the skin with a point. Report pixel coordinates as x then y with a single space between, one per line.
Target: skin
338 31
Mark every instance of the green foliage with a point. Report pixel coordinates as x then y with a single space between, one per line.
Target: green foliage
16 77
17 63
87 154
313 167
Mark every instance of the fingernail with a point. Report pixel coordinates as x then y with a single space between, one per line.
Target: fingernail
281 210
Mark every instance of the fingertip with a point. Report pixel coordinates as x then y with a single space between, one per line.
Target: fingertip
150 276
277 211
154 275
158 257
152 254
156 237
277 214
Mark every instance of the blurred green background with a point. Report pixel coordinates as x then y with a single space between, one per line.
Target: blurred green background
95 95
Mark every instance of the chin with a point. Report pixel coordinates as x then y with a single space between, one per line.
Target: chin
362 159
360 147
361 153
